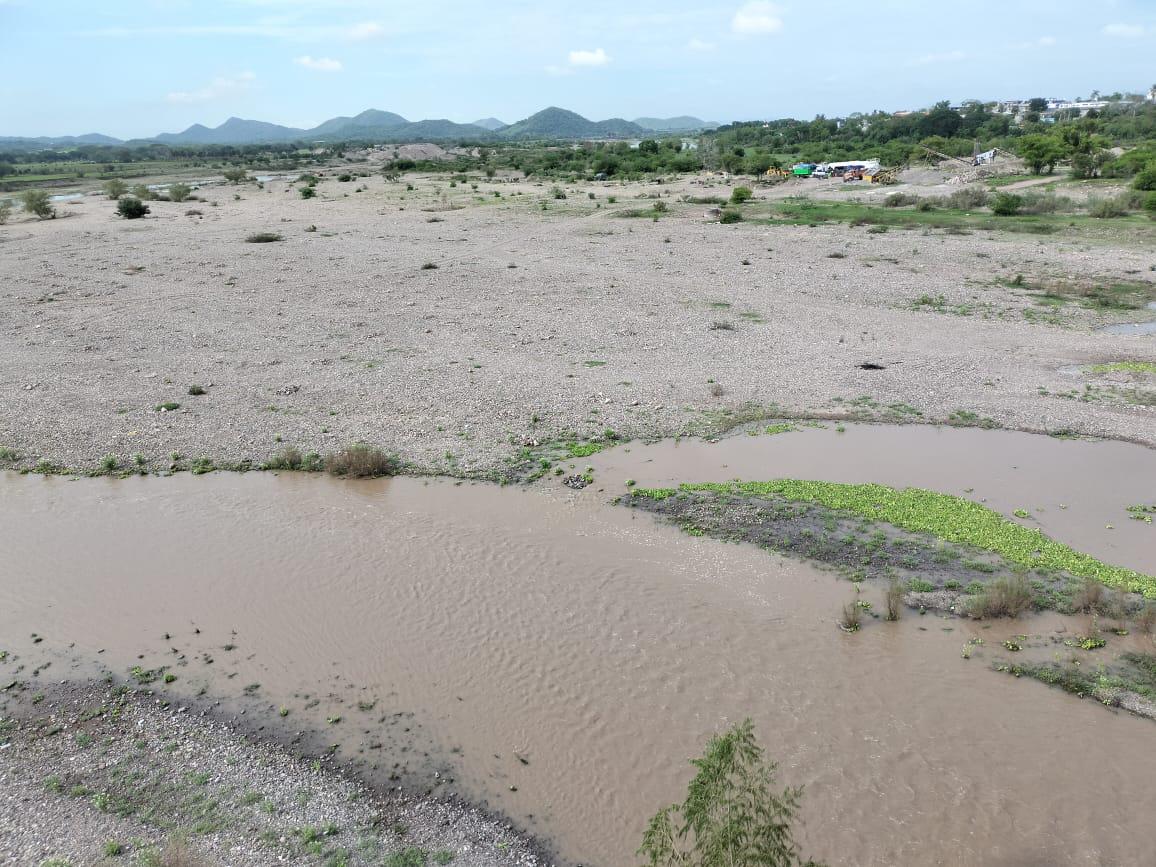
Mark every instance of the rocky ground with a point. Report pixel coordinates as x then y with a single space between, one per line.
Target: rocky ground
91 774
452 325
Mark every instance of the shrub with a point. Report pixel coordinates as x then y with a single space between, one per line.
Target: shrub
115 188
263 238
37 202
236 176
179 192
290 458
345 178
1089 598
131 208
1146 180
360 461
1105 209
740 195
1006 205
142 192
660 207
5 210
851 619
730 216
730 815
307 192
557 193
968 198
1149 207
429 266
894 599
1004 597
899 200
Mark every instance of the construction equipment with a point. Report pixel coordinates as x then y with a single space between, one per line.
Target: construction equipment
886 177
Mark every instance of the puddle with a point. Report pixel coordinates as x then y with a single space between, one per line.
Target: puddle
578 652
1133 327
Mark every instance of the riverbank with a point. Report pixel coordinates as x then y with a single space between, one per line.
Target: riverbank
91 772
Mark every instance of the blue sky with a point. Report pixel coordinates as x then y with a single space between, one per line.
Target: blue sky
138 67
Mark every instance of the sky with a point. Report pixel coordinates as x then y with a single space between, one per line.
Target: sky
134 68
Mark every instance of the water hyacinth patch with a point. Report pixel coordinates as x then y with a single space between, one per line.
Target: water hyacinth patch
951 518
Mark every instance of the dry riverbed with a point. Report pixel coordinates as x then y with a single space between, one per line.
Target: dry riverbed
453 325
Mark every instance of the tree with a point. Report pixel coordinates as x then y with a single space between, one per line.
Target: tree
1040 152
131 208
648 146
37 202
115 188
7 169
1007 205
236 176
731 817
1149 205
1038 104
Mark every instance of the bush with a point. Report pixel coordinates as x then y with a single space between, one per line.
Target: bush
5 210
1146 180
1105 209
730 216
1004 597
1006 205
899 200
557 193
179 192
142 192
131 208
731 815
263 238
968 198
1149 206
345 178
307 192
360 461
115 188
740 195
236 176
37 202
660 207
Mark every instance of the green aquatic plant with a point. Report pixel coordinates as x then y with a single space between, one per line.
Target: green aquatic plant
947 517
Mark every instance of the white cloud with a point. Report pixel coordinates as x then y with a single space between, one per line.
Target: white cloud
1042 42
941 57
757 17
215 89
597 57
1123 31
319 64
366 30
700 46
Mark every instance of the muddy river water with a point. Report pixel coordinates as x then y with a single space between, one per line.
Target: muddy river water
561 658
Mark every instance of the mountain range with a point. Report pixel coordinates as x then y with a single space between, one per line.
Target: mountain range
375 125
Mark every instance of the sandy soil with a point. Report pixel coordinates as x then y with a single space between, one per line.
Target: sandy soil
534 322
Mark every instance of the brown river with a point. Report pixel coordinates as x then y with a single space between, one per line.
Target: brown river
560 658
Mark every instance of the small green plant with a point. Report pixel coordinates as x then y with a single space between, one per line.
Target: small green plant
179 192
167 406
196 390
730 215
920 585
112 849
263 238
429 266
131 208
306 192
731 815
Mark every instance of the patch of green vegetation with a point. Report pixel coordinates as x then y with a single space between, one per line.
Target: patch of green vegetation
783 427
583 450
947 517
1124 367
